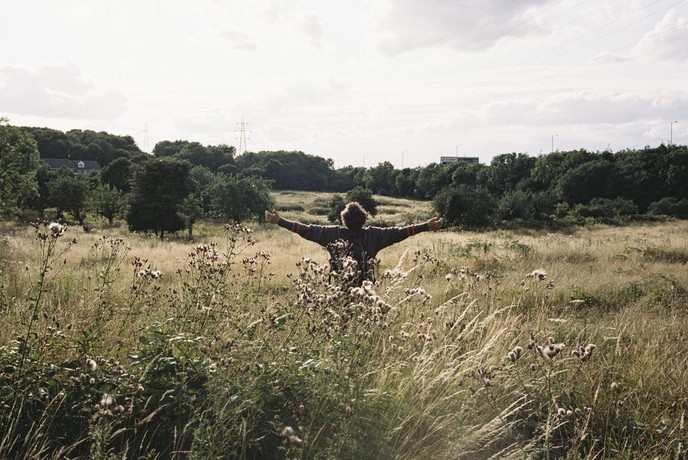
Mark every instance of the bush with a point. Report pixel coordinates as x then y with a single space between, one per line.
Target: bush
670 206
604 209
364 197
466 206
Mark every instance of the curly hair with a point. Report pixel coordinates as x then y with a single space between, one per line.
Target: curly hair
354 216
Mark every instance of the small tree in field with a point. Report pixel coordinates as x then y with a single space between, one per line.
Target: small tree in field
364 197
107 201
158 191
466 206
240 198
337 205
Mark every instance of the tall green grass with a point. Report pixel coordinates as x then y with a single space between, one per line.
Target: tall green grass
242 345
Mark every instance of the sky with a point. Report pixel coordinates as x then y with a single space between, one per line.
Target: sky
357 81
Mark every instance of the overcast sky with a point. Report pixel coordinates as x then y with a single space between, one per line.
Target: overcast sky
358 81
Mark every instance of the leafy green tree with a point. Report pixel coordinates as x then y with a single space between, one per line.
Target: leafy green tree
594 179
41 200
118 174
159 189
506 172
191 211
337 205
19 163
105 200
548 169
405 183
69 193
470 207
380 179
240 198
670 206
364 197
169 148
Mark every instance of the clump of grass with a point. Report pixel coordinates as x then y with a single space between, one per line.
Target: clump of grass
665 255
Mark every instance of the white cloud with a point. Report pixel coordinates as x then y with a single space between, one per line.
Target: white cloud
667 41
54 91
466 25
313 27
583 108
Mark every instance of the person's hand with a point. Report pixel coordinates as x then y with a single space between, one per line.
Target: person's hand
435 223
272 217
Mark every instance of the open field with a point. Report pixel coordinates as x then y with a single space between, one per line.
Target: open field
238 345
313 207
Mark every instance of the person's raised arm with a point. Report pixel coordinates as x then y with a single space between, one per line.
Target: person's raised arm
317 233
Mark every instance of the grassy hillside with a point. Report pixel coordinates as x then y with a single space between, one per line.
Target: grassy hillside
238 345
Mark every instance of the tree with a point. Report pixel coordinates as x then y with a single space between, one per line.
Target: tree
337 205
105 200
594 179
239 198
158 191
19 162
506 172
471 207
364 197
380 179
118 174
68 193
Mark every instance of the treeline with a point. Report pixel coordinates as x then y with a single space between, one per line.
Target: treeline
182 182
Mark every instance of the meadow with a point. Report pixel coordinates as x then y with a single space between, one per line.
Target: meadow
238 344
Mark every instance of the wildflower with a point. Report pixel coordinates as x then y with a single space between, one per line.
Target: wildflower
91 364
449 276
107 400
56 229
584 352
561 413
539 274
614 386
155 274
551 350
515 353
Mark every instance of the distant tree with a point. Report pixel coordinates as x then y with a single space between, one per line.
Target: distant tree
168 148
41 200
405 182
237 198
470 207
380 179
68 193
364 197
191 211
670 206
159 189
337 205
346 178
506 172
105 200
118 174
549 168
19 162
594 179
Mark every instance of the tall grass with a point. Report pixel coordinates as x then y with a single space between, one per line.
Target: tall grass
242 345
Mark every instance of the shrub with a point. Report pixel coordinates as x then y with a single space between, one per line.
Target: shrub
466 206
670 206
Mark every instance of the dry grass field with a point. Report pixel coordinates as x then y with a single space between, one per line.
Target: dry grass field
238 345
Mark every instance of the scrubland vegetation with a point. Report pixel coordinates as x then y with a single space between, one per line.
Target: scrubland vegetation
238 344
